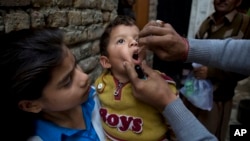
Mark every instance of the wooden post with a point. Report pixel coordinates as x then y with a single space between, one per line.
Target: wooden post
141 9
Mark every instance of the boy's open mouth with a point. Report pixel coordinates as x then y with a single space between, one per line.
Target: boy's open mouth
135 56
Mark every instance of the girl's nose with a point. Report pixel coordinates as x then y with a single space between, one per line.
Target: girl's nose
82 76
84 80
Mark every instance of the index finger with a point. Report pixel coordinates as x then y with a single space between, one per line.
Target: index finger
154 28
153 35
149 30
151 41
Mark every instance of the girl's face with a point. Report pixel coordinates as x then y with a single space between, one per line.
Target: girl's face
123 46
68 88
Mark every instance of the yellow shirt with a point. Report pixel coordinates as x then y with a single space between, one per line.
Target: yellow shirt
123 116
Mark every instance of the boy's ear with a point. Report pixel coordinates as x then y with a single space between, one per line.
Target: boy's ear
105 62
30 106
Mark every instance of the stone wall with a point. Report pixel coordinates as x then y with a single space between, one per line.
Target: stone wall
82 20
151 16
152 9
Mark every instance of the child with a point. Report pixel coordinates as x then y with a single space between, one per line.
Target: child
49 96
123 116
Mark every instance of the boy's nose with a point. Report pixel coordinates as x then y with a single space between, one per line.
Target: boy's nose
134 43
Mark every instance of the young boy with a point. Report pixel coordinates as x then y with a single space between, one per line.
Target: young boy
47 94
123 116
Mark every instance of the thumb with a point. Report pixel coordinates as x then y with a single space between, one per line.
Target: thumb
129 67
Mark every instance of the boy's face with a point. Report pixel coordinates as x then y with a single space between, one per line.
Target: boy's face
68 88
226 6
123 46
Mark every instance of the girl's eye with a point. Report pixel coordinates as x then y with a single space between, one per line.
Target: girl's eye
69 80
120 41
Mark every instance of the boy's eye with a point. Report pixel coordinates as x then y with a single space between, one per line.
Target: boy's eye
120 41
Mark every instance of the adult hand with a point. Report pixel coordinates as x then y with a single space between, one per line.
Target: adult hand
154 90
164 41
201 72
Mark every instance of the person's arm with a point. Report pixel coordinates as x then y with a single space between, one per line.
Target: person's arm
228 54
184 124
156 92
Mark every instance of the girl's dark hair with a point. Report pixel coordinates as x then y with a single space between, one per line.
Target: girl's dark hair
119 20
27 58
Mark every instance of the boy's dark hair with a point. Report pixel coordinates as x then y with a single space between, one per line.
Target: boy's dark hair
27 58
119 20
